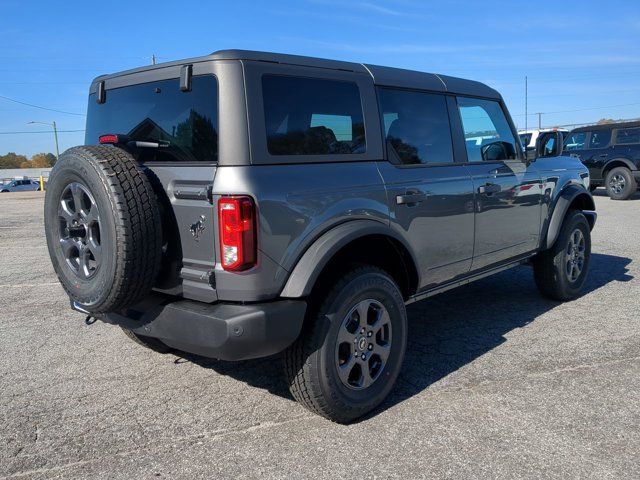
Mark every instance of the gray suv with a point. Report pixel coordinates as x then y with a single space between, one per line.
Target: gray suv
244 204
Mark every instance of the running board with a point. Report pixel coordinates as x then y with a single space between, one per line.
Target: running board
464 281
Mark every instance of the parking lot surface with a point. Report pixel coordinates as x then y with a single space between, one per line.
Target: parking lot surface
498 382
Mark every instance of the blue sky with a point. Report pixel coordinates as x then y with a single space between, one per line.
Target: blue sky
578 55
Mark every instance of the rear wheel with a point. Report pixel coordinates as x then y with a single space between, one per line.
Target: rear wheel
620 183
561 271
350 351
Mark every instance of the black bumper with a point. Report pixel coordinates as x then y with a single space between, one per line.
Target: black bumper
222 330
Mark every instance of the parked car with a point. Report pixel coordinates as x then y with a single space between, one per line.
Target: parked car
20 185
244 204
612 154
530 137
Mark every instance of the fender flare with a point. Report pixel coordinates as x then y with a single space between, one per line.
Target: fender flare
562 204
630 165
308 268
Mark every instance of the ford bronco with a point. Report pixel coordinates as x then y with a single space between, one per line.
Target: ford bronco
243 204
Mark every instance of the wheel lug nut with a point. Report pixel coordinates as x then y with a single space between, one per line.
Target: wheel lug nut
362 330
369 334
364 357
370 347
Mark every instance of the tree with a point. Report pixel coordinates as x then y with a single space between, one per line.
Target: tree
52 159
40 160
11 160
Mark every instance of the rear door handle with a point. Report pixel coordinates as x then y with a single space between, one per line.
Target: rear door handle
603 155
410 198
489 188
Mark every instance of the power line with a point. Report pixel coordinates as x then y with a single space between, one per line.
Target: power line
40 131
580 109
41 108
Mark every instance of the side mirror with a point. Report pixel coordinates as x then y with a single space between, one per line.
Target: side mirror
497 151
549 144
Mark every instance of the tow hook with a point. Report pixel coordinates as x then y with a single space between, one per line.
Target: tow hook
90 320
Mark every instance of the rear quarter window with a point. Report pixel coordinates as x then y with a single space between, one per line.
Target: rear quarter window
184 123
312 116
628 136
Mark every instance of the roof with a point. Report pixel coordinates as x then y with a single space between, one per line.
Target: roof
607 126
384 76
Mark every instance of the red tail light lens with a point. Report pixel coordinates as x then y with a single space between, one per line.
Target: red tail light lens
237 221
108 139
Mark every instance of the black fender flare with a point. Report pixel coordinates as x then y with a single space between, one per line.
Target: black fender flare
560 208
628 163
308 268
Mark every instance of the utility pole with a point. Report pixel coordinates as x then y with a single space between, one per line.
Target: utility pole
539 121
526 103
55 134
153 59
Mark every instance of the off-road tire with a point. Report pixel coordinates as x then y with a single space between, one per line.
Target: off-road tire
309 363
630 184
550 266
130 228
147 342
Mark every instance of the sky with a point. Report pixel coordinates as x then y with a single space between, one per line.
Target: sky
581 58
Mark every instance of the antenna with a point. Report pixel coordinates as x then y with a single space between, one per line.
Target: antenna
153 59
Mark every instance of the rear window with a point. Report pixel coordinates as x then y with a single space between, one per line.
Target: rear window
416 126
628 136
184 123
600 139
311 116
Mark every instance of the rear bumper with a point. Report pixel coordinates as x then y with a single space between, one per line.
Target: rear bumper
222 330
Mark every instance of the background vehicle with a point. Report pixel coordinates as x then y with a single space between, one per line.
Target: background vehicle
20 185
612 154
359 189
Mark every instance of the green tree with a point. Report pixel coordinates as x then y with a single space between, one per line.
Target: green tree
52 159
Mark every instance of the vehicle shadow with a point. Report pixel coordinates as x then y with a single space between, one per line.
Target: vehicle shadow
447 331
602 192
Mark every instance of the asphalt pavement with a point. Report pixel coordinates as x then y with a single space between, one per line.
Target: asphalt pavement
498 382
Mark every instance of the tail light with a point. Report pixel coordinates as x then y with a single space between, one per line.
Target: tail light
237 221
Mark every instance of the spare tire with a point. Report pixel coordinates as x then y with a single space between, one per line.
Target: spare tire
103 228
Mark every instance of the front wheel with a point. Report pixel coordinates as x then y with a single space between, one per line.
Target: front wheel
561 271
350 351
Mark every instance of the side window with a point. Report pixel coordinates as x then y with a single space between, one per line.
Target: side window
312 116
416 126
575 141
487 133
600 139
628 136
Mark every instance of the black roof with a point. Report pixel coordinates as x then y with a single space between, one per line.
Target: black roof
385 76
607 126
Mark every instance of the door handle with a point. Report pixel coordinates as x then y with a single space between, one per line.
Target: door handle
603 155
410 198
489 188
